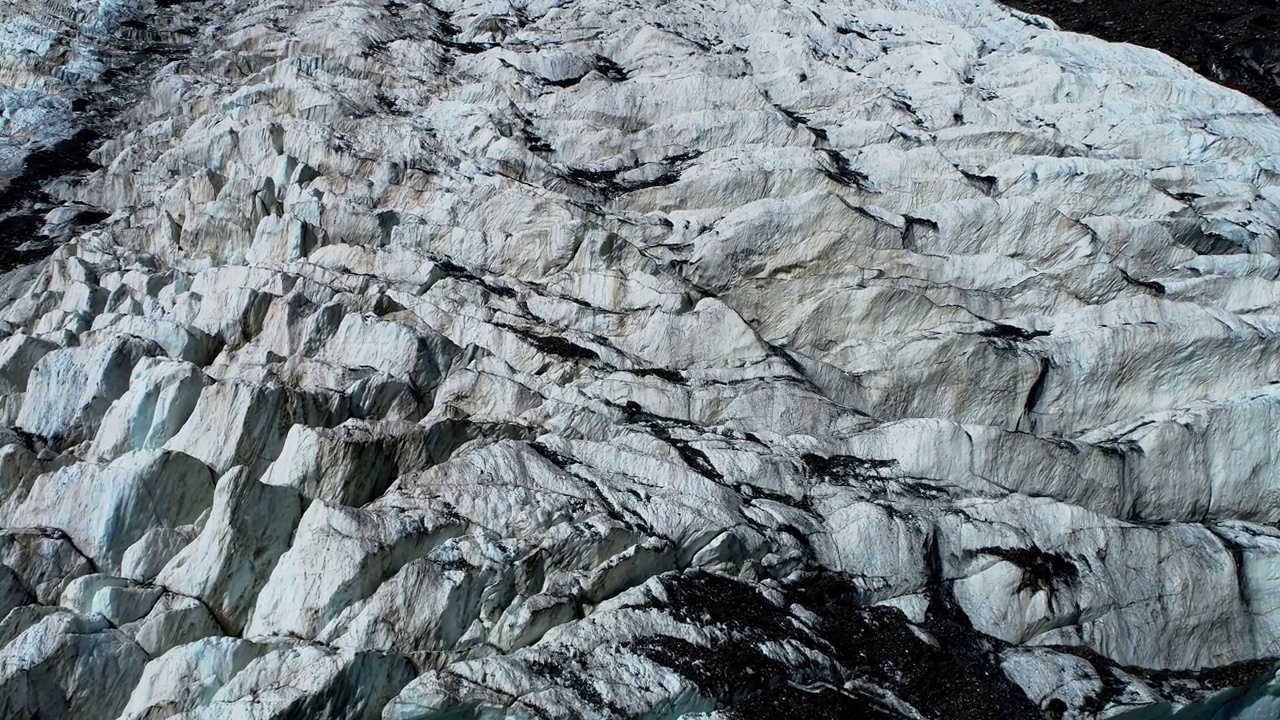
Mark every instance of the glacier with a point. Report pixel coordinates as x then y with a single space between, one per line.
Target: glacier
581 359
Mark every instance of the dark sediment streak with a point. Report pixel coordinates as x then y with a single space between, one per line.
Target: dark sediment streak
1233 42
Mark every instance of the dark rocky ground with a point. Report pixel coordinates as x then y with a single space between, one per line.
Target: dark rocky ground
130 54
1234 42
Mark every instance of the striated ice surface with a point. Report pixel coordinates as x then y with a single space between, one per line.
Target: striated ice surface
874 359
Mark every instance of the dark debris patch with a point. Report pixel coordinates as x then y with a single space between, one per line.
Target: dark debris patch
1005 331
467 48
447 32
553 345
454 270
564 82
803 503
561 461
956 678
822 702
838 168
1169 682
388 104
31 441
845 469
1041 570
1183 686
841 173
24 202
795 118
692 456
735 671
671 376
600 64
610 69
865 473
1155 287
731 672
943 668
567 671
705 598
131 52
609 184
